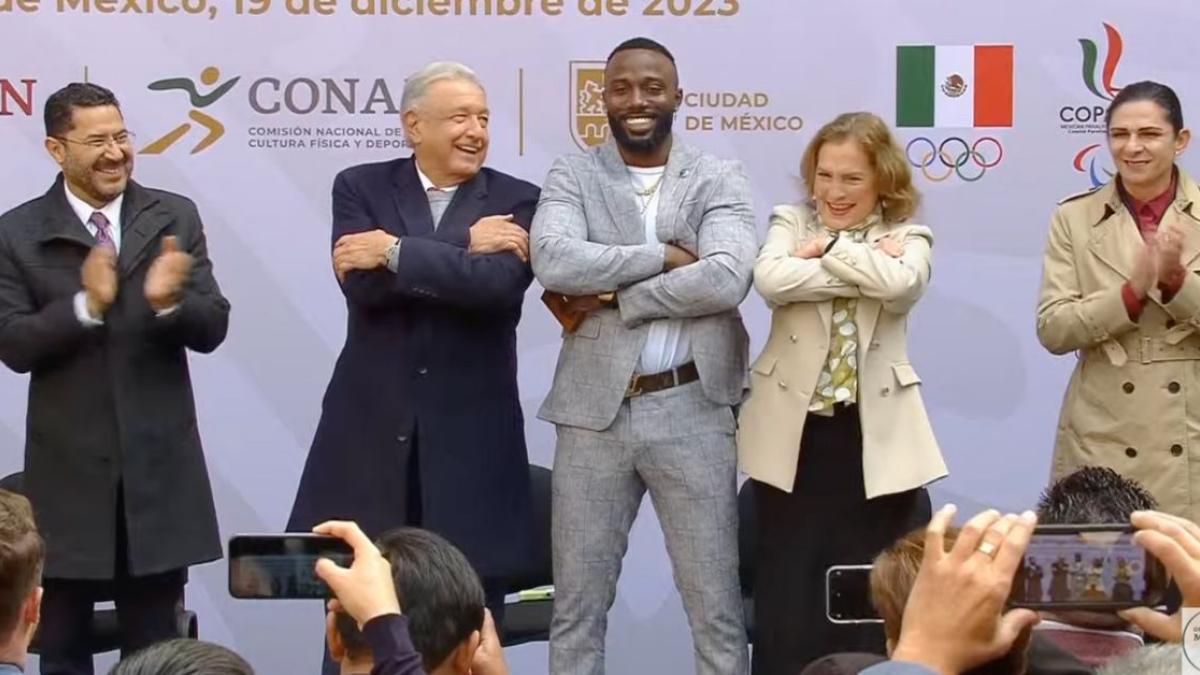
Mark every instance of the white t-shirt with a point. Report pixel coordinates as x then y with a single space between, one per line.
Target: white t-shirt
667 344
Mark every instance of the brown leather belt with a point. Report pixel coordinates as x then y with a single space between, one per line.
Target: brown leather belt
646 384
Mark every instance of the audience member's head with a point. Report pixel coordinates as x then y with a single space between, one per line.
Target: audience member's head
1093 494
892 577
21 556
347 645
1159 659
849 663
442 598
183 657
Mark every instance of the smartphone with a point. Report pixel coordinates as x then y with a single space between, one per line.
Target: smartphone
282 566
848 595
1087 567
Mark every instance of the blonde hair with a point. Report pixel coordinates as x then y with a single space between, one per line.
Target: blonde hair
898 198
893 575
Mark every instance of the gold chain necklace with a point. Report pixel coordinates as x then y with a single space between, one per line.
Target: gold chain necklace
646 195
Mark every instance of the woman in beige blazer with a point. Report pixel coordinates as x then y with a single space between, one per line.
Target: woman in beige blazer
1120 289
834 430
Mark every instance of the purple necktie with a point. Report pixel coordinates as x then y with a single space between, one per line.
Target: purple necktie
103 237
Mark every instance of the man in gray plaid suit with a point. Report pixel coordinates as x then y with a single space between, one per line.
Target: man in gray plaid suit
651 242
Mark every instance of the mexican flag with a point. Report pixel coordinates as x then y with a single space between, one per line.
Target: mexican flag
956 86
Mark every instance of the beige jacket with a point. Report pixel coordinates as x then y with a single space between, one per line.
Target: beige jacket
899 449
1133 402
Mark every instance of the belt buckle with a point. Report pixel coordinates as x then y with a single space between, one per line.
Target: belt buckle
633 390
1145 347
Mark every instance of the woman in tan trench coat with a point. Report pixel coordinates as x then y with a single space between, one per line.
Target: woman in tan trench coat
834 432
1119 288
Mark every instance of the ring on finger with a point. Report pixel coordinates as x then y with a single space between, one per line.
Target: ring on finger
987 548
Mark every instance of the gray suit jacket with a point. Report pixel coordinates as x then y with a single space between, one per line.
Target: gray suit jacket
588 237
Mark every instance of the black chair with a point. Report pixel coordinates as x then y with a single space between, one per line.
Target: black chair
103 636
14 482
529 620
747 543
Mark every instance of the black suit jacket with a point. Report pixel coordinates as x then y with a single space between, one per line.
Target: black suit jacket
430 354
110 405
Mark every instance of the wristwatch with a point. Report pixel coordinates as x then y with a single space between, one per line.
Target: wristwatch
391 256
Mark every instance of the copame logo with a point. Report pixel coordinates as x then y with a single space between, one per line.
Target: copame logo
1088 161
16 97
208 77
1098 71
1091 63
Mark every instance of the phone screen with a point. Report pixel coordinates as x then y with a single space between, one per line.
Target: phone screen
848 595
1087 567
282 565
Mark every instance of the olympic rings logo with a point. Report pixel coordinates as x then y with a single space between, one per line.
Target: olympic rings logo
982 155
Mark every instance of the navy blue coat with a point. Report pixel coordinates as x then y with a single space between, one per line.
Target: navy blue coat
430 353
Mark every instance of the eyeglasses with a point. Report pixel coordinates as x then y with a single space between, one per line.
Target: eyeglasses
120 139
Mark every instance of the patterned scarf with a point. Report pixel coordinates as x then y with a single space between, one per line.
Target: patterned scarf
838 382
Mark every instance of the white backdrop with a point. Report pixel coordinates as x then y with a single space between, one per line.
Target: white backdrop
992 391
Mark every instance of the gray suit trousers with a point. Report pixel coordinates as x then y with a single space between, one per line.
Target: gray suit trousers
680 446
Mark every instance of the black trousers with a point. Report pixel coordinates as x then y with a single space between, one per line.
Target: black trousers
494 590
826 520
147 611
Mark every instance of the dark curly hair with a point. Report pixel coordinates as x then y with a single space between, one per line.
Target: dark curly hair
1093 494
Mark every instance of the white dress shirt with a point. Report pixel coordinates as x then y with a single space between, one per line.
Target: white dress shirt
111 210
428 185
